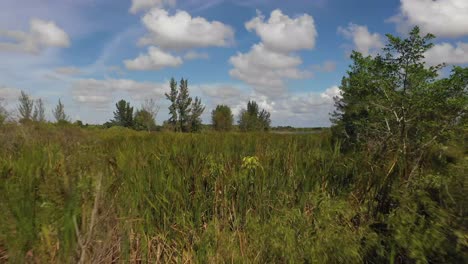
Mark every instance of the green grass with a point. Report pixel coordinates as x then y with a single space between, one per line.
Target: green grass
69 195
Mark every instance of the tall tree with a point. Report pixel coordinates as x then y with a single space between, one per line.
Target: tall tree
173 107
25 107
123 115
59 113
184 102
39 111
195 116
265 121
395 108
222 118
252 119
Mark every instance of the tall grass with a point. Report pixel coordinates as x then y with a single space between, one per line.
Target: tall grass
71 195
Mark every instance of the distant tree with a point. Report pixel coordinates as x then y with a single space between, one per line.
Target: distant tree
184 103
222 118
265 121
39 111
123 116
78 123
197 110
3 112
152 107
252 119
173 107
25 107
185 113
144 120
59 113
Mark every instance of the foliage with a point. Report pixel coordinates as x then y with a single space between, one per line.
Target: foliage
39 111
59 113
144 120
392 112
252 119
123 115
261 198
25 107
172 97
222 118
184 103
3 112
185 113
195 116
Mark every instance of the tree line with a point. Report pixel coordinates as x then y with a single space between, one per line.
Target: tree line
184 113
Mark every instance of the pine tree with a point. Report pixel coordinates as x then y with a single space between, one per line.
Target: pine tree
123 116
252 119
184 102
173 107
195 117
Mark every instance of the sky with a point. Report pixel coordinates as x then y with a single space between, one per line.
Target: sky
288 56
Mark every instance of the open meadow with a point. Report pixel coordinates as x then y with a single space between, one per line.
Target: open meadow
110 196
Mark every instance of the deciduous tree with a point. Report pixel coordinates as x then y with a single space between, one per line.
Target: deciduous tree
222 118
25 107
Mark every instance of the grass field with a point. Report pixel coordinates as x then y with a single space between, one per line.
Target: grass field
101 196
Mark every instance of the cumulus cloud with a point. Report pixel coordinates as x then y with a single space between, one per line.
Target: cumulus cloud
270 63
155 59
447 53
139 5
182 31
364 42
42 34
266 70
67 71
444 18
284 34
101 92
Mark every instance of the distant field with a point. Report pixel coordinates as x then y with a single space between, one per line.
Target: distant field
116 195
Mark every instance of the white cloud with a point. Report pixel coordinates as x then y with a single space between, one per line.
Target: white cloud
139 5
182 31
444 18
155 59
67 71
99 93
266 70
42 34
447 53
270 63
284 34
193 55
364 42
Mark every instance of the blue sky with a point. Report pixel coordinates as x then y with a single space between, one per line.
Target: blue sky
289 56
